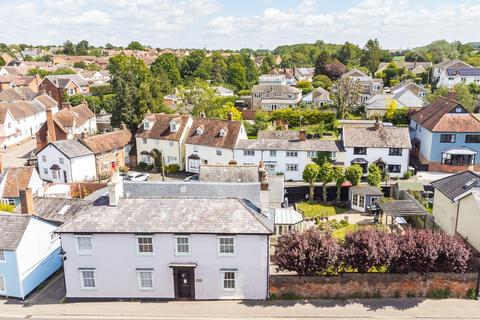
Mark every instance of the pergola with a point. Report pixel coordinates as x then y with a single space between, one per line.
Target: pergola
402 209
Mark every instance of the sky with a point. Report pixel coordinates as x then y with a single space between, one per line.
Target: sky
235 24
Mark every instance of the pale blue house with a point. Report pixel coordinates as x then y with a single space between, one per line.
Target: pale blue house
446 137
29 253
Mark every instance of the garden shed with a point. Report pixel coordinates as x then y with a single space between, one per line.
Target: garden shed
286 219
363 197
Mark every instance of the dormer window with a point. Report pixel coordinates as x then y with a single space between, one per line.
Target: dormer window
146 125
199 130
223 132
173 126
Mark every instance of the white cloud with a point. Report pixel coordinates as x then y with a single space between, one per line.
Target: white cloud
397 24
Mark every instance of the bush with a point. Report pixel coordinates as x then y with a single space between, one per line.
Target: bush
354 174
407 175
142 166
6 207
369 248
123 169
430 251
307 253
439 293
172 168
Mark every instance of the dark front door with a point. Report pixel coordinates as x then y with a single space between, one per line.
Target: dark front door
64 176
184 283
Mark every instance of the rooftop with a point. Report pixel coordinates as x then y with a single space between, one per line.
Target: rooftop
12 227
72 148
294 145
457 184
383 137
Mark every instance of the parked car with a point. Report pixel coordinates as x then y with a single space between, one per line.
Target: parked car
137 176
192 178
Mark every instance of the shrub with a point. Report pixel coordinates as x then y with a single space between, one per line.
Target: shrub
142 166
369 248
123 169
374 177
439 293
430 251
307 253
172 168
6 207
354 174
407 175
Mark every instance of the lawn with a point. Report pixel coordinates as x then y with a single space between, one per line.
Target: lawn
319 210
339 234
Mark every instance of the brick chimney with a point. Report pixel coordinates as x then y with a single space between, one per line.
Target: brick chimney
302 135
66 105
26 201
51 136
377 125
84 135
115 189
230 116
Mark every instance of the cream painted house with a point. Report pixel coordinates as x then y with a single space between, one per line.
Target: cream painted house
456 205
167 134
211 141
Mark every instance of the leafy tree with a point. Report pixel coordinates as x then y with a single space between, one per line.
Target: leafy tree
167 65
371 55
267 64
93 102
334 69
322 157
339 178
129 76
350 54
81 49
236 76
219 68
323 81
374 177
462 92
366 248
345 95
305 86
325 176
80 64
135 45
354 174
109 46
251 70
69 48
307 253
310 175
197 98
64 70
2 62
222 112
322 60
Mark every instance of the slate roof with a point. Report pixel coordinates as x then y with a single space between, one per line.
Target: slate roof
437 116
160 129
366 190
108 141
56 210
457 184
408 85
16 179
228 173
192 190
72 148
384 137
219 216
464 72
294 145
278 134
451 63
62 80
275 88
12 228
211 133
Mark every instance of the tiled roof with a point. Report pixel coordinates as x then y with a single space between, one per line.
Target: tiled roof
228 173
219 216
71 148
12 228
21 109
451 64
16 179
278 134
74 116
275 88
384 137
46 100
366 190
160 129
294 145
464 72
408 85
57 210
457 184
437 116
108 141
211 133
62 80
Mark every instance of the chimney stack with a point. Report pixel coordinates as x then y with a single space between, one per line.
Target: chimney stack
230 116
66 105
84 135
115 189
26 201
302 135
377 125
51 135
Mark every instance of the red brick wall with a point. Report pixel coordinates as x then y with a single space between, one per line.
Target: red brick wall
437 166
358 285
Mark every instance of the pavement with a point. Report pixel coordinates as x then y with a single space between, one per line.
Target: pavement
17 155
307 309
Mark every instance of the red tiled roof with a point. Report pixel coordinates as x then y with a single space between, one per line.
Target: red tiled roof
211 133
161 126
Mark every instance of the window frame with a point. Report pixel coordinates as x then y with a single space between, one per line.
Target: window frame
273 153
137 240
82 283
448 134
472 136
139 279
394 165
249 153
3 256
177 252
81 253
395 152
223 274
356 149
219 245
288 165
291 154
218 152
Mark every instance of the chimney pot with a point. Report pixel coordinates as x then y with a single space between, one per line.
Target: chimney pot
377 125
230 116
302 135
66 105
115 189
26 201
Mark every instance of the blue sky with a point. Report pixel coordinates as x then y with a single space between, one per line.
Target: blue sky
239 23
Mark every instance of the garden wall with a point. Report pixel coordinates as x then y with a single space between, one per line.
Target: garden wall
364 285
